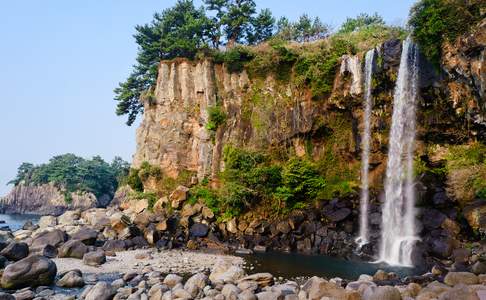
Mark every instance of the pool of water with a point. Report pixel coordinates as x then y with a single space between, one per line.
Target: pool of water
292 266
16 221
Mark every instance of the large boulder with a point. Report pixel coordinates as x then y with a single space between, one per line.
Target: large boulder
199 230
225 272
15 251
74 249
31 271
115 246
95 258
69 217
101 291
475 214
86 235
454 278
71 279
178 196
47 221
381 293
96 217
53 237
318 288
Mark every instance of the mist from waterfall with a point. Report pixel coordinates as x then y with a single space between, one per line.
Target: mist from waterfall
398 233
365 151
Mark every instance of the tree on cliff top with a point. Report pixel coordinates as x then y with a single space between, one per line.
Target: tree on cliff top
180 31
184 31
75 174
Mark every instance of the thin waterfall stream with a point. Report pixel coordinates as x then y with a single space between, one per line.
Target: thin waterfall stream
365 151
398 233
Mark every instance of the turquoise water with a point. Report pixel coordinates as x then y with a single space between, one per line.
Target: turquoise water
298 265
16 221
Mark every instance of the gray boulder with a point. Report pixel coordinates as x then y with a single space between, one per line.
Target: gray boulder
71 279
101 291
6 296
32 271
54 238
15 251
74 249
95 258
86 235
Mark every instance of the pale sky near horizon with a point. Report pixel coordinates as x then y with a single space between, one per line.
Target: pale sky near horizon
60 61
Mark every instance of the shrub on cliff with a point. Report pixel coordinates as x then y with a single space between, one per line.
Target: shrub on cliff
437 21
75 174
466 168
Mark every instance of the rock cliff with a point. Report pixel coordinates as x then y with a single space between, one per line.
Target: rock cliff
43 200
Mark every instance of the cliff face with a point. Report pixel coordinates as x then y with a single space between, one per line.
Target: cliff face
266 113
43 200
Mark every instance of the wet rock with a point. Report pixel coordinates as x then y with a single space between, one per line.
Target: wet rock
338 215
15 251
454 278
73 248
432 218
71 279
86 235
391 53
199 230
6 296
28 225
24 294
33 271
101 291
95 258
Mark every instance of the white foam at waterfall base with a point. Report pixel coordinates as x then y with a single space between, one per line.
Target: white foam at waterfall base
365 151
398 234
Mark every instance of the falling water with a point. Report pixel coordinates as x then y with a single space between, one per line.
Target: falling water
398 234
365 154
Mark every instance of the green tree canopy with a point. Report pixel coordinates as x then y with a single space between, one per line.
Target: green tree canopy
435 21
72 174
180 31
362 20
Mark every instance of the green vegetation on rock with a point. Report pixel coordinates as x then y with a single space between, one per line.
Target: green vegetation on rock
71 173
436 21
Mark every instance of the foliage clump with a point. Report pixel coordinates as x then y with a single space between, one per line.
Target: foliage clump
71 173
436 21
466 167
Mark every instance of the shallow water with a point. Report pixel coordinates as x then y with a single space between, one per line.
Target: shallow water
291 266
16 221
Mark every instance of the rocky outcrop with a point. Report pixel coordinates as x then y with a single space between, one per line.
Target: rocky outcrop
43 200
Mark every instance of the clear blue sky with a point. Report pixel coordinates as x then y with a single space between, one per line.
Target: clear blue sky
60 60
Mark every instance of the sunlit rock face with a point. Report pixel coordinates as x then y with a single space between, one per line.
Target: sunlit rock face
46 199
259 113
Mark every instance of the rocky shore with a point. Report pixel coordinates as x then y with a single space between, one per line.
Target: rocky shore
101 254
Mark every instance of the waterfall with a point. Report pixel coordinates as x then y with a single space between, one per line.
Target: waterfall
365 151
398 234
